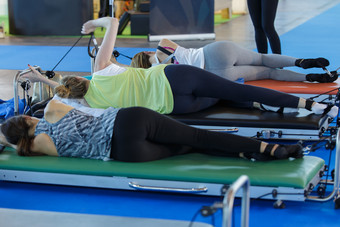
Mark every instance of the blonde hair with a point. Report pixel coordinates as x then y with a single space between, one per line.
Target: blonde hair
72 87
141 60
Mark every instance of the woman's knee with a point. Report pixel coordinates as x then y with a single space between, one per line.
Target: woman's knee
269 28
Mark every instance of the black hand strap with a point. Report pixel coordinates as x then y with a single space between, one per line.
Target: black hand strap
165 51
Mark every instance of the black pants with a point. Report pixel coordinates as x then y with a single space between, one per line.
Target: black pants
141 135
262 13
195 89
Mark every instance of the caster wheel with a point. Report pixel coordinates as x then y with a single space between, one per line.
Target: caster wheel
279 204
337 203
321 190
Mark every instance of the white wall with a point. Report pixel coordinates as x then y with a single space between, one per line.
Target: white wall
238 6
3 7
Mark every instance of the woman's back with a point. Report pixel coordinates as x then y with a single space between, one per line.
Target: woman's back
77 134
135 87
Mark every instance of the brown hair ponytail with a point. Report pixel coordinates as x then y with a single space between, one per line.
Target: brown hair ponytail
15 130
72 87
141 60
62 91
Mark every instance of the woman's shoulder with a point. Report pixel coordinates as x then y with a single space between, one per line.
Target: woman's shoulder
54 105
55 110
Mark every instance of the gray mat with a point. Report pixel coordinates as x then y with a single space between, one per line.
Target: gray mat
19 218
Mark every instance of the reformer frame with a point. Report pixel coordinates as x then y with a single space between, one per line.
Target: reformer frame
175 175
122 182
18 81
41 218
300 125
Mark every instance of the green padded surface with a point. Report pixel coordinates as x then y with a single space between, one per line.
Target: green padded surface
188 168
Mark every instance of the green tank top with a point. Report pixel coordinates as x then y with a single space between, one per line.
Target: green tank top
135 87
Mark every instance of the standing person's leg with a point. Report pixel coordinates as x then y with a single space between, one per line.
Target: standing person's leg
141 135
269 8
254 7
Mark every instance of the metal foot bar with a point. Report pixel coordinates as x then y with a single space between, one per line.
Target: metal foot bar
16 82
336 175
228 202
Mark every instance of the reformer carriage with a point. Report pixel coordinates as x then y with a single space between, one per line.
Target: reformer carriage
196 173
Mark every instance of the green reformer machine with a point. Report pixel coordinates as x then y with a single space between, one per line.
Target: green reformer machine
192 173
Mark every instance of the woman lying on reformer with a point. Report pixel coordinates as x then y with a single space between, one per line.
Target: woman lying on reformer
233 62
134 134
167 89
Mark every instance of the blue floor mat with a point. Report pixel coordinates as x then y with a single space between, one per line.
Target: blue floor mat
78 60
318 37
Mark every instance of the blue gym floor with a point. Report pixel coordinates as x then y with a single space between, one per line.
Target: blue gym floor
317 37
160 205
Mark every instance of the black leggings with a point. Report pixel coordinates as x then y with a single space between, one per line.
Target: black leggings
262 13
141 135
195 89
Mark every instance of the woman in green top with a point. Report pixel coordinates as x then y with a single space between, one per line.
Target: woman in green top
166 89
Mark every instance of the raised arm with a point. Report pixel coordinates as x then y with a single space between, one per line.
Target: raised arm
168 45
105 51
114 60
35 76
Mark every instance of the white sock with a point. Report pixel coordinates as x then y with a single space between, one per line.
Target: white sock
318 108
333 112
274 108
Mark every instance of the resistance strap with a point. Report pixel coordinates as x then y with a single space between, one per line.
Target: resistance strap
50 74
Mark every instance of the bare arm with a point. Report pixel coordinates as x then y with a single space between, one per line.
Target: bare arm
165 43
114 60
168 43
35 76
105 51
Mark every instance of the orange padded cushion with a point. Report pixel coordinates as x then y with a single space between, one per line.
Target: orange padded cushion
297 87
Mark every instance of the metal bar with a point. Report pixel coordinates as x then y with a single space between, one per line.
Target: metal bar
202 36
40 90
336 174
111 8
15 87
225 130
228 201
16 98
167 189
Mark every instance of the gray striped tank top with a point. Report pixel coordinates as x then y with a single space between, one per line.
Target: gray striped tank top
81 135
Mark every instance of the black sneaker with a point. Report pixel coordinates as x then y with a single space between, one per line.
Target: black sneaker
322 78
312 63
